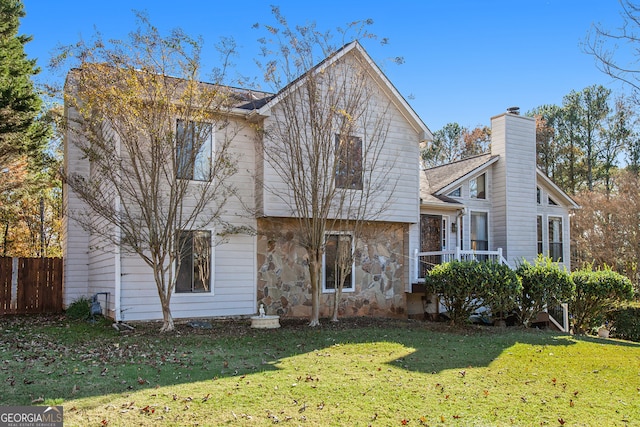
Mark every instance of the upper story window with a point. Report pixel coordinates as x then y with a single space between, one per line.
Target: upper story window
194 147
348 162
194 272
456 193
538 195
477 187
552 202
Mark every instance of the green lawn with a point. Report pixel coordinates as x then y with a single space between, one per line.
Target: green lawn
357 373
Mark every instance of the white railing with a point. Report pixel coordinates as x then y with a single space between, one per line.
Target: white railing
426 260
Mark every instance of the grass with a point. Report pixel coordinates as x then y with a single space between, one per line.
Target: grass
358 373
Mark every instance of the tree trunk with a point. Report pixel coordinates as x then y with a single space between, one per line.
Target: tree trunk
165 300
167 325
315 266
338 297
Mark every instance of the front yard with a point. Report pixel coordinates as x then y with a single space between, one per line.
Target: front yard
359 372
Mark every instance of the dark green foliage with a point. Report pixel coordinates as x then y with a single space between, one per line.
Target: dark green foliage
458 286
465 286
19 101
596 293
80 309
500 287
544 284
625 323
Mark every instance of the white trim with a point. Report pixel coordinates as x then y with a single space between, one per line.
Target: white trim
352 288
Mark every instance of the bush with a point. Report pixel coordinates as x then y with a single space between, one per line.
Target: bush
80 309
544 284
596 293
500 287
466 286
625 323
457 284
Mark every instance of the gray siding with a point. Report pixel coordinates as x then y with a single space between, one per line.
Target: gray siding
233 288
513 138
75 241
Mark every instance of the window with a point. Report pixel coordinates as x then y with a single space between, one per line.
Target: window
477 187
194 144
338 262
540 248
349 162
194 273
479 231
455 193
538 195
552 202
555 239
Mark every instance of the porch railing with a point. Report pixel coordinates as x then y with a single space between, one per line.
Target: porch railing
425 261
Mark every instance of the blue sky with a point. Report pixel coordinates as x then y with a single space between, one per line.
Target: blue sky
465 60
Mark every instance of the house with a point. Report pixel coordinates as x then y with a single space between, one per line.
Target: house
267 267
498 200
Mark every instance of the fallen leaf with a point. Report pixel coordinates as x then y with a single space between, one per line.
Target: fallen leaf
561 421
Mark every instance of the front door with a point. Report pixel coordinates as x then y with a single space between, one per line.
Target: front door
430 241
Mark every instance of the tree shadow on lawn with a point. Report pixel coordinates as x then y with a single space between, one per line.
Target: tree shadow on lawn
69 362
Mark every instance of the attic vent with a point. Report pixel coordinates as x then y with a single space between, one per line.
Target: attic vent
514 110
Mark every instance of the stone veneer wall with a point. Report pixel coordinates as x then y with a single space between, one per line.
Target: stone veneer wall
283 277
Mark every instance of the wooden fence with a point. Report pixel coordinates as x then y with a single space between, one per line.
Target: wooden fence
30 285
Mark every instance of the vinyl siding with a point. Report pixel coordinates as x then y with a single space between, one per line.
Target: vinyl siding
514 214
75 246
233 288
397 167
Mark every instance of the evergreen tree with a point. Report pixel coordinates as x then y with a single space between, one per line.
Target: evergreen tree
20 132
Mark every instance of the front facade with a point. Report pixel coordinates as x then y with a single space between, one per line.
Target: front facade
498 200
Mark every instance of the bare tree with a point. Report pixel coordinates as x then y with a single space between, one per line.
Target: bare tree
324 141
158 145
609 47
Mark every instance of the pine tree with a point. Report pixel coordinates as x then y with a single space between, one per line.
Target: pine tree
20 132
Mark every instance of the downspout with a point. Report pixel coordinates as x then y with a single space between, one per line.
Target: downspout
117 259
117 266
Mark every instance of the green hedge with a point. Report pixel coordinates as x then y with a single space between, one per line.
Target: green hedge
466 286
597 292
625 323
544 284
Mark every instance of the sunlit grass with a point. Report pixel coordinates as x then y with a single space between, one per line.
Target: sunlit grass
403 373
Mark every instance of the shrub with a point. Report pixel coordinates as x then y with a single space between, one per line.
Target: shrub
625 323
457 284
544 284
499 288
596 293
80 309
465 286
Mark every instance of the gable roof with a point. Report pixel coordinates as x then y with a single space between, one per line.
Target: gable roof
374 71
437 179
558 193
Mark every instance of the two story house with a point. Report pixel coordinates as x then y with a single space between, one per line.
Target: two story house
498 200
